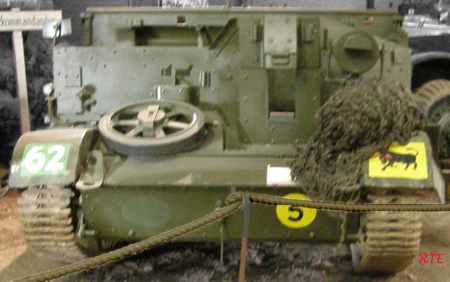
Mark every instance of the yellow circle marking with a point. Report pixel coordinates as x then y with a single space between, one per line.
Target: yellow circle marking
295 217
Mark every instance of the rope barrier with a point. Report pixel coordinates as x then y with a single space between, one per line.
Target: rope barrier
234 202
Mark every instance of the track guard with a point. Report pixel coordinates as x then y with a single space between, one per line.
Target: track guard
409 167
51 156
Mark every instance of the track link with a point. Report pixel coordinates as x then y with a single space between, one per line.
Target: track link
391 243
48 223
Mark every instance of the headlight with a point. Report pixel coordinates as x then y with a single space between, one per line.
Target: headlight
48 89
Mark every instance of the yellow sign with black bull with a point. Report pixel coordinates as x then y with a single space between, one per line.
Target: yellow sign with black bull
401 162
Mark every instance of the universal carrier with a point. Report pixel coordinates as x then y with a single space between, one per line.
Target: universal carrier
164 112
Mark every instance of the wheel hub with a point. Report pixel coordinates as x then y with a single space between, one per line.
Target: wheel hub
150 128
150 121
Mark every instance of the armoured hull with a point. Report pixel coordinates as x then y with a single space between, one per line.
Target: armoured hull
163 113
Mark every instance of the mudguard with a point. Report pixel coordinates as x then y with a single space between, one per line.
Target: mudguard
409 167
51 156
429 56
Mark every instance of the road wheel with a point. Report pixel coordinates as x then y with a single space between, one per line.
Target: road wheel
434 98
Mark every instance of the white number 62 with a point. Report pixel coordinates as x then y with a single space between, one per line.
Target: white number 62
35 160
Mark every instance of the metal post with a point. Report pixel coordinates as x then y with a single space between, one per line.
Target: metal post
21 80
446 173
246 210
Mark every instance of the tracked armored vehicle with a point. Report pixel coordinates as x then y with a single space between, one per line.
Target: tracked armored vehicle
162 113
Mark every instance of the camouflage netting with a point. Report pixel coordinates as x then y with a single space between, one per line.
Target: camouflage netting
357 121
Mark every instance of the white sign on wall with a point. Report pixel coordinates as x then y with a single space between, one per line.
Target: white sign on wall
27 20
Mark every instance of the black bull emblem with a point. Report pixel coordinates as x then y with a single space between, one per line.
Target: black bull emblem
389 159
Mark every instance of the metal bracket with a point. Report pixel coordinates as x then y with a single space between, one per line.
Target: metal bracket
92 177
256 33
205 78
280 48
87 20
180 92
85 96
82 231
177 74
309 32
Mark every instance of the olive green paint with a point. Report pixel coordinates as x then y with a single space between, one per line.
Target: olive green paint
78 141
258 75
109 212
